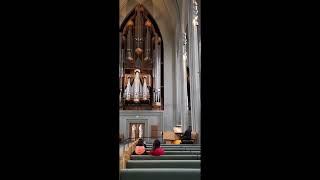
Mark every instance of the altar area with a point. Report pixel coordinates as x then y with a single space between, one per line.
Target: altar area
147 125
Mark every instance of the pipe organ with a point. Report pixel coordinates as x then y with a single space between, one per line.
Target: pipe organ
140 61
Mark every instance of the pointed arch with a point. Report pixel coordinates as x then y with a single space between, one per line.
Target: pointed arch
137 48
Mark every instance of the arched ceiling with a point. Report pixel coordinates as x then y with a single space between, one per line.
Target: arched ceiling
167 10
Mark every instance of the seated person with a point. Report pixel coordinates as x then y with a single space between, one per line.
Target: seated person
156 149
140 148
186 137
144 144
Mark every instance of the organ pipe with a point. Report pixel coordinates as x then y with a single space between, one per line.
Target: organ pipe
127 91
139 31
136 85
129 41
145 89
147 41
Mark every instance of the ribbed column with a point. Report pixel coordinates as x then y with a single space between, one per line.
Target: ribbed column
194 64
184 92
181 81
178 75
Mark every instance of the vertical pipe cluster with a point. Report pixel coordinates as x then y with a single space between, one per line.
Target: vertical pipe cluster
157 71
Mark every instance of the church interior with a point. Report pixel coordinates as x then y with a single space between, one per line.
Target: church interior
159 82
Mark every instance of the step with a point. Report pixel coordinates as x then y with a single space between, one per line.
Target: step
176 144
160 174
177 149
182 152
166 157
163 164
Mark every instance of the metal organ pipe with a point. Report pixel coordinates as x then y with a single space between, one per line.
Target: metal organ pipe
129 41
145 89
136 85
139 31
147 41
128 90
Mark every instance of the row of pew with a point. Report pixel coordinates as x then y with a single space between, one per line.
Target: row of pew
180 162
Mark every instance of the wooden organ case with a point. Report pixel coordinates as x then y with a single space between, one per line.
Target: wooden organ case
141 64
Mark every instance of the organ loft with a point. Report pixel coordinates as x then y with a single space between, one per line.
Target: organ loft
141 62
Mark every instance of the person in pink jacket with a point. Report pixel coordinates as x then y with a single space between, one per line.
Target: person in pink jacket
156 149
140 148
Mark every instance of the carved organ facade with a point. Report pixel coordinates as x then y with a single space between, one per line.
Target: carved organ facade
141 62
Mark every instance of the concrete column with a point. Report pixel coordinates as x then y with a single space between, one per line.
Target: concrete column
184 92
194 65
178 62
182 115
181 81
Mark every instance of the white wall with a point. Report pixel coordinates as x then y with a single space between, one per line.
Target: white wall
151 118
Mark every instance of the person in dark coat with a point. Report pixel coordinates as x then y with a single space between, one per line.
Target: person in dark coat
186 137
